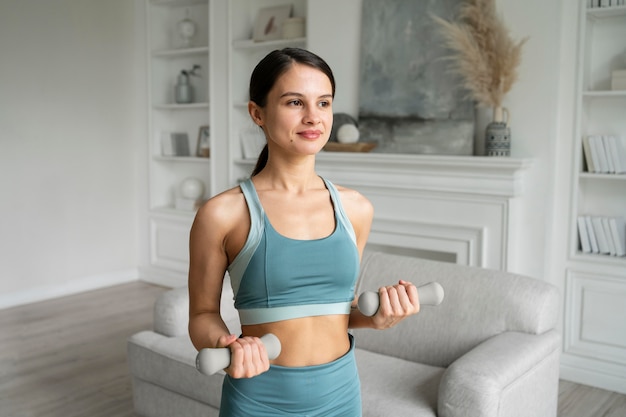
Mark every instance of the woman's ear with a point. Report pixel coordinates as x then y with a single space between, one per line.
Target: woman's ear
255 113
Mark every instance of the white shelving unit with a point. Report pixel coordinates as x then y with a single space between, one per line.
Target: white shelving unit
595 298
244 54
600 110
167 56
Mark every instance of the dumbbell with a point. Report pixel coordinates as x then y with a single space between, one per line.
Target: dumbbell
430 294
211 360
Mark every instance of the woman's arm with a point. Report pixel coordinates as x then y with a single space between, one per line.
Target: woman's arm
219 230
207 265
396 301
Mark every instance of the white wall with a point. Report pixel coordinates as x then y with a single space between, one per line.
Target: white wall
71 125
532 103
68 138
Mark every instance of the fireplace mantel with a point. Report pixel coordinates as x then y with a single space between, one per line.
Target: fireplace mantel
454 174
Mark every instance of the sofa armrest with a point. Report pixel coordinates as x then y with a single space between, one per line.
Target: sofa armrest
511 374
171 313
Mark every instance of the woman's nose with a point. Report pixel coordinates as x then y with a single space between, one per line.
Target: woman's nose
312 115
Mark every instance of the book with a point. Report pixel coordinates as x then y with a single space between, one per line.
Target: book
618 234
598 229
607 150
617 146
609 236
583 235
597 149
592 235
589 157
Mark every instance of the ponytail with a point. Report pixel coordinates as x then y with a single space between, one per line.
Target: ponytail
261 162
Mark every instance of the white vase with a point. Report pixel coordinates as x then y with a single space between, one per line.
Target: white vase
498 134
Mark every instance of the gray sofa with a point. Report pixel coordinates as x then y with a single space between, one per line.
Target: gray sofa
490 349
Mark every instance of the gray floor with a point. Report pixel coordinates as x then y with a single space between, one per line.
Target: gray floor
67 357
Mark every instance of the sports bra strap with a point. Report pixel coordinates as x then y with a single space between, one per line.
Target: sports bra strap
239 265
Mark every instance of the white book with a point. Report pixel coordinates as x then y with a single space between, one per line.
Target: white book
607 150
618 233
598 229
619 144
609 236
583 235
598 149
614 154
591 166
592 235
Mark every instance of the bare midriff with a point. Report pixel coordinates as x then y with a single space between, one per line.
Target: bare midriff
306 341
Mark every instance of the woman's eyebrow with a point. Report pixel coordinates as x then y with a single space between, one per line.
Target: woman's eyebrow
290 93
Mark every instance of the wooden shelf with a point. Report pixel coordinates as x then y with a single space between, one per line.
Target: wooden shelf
604 12
176 106
251 44
180 52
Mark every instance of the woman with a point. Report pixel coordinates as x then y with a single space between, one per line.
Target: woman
291 242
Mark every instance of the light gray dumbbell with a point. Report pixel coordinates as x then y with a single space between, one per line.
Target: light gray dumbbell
430 294
211 360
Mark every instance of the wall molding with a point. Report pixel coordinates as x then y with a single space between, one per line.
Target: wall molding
467 244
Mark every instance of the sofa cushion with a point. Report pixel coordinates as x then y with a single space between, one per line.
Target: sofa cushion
169 362
391 386
479 303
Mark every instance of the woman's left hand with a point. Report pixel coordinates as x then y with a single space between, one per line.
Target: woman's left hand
397 302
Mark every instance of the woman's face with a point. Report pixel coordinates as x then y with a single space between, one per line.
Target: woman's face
298 116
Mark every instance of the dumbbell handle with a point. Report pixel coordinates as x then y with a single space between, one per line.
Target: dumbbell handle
211 360
430 294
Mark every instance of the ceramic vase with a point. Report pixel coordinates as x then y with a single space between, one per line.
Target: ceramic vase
183 90
498 134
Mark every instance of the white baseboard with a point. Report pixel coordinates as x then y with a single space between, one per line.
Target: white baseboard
599 374
47 292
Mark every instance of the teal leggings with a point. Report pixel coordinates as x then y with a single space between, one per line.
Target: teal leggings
327 390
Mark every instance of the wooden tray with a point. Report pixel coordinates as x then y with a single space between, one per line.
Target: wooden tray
349 147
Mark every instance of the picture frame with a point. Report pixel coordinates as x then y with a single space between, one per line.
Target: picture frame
203 148
174 144
269 23
252 142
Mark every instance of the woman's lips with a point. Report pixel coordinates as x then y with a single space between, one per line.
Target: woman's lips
310 134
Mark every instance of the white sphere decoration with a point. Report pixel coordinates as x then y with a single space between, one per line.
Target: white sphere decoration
348 134
191 188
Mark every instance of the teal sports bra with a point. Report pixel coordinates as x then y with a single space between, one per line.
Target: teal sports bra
276 278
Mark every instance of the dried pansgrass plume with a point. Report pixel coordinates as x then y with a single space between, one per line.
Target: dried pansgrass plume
485 55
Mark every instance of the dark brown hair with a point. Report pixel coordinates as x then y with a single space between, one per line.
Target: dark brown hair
267 72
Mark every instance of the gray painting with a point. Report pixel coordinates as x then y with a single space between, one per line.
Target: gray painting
404 79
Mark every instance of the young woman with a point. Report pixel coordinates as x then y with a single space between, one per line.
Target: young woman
291 242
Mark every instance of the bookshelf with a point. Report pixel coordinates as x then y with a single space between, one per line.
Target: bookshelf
594 346
600 110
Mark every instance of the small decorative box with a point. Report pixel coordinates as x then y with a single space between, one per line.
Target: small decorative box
618 80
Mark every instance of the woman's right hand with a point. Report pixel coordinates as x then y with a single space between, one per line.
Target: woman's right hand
248 357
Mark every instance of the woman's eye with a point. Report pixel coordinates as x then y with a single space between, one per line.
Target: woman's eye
324 103
295 103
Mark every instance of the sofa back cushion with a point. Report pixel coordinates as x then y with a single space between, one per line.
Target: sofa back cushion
479 303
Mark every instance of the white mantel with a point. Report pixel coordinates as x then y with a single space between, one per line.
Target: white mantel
460 208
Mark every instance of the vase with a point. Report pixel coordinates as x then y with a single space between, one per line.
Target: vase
498 134
183 90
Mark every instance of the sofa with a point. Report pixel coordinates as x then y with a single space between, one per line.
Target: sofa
490 349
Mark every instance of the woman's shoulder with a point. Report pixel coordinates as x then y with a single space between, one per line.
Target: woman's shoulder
354 202
223 208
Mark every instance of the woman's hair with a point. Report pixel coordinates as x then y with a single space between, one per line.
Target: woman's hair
269 70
